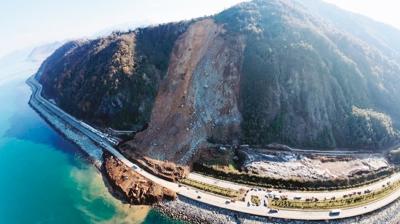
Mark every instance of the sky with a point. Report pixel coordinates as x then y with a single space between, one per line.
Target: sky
25 23
386 11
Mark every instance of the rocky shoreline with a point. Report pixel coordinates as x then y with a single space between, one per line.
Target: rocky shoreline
198 213
87 146
186 209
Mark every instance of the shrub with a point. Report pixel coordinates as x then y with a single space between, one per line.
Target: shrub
211 188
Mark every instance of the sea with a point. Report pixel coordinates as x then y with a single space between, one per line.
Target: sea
44 178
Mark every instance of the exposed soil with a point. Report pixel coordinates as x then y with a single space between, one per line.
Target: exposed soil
291 165
163 169
133 187
197 100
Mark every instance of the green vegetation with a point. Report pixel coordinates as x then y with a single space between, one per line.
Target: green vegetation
224 160
368 127
290 184
212 188
282 86
112 81
255 200
345 202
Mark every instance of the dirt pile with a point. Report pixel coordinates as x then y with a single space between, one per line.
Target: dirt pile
165 170
132 186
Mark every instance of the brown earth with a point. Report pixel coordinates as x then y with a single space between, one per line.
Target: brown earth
197 98
132 186
165 170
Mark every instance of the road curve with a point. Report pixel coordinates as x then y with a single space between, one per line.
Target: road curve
204 197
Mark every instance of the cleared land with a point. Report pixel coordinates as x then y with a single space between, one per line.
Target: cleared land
292 170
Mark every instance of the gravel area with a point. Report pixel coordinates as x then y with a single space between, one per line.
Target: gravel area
287 165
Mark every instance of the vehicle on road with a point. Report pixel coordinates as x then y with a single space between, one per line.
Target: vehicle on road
297 197
273 211
335 212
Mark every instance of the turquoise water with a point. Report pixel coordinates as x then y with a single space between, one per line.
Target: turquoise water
45 179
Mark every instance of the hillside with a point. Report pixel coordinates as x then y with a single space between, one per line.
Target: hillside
259 72
111 81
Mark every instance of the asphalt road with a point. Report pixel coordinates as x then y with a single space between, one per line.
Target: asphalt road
214 200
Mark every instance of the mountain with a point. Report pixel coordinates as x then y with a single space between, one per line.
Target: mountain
24 62
123 27
111 81
40 53
381 36
302 73
10 63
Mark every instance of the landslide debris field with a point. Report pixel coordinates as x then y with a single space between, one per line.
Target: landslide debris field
292 165
287 165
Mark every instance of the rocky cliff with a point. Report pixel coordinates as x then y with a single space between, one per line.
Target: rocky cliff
260 72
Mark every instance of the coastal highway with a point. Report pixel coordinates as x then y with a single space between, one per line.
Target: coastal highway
320 195
208 198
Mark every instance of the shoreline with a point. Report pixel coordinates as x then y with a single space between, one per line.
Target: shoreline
92 152
186 209
191 211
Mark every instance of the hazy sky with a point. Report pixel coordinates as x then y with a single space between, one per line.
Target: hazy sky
29 22
386 11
